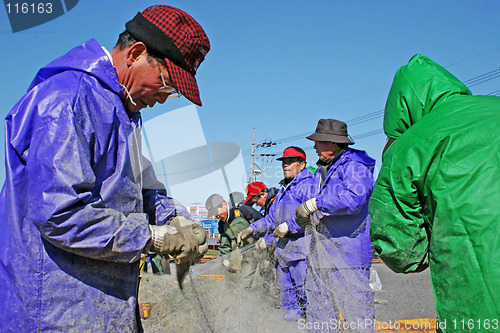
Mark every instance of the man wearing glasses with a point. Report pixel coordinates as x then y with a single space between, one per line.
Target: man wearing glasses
231 221
78 206
336 217
259 194
292 246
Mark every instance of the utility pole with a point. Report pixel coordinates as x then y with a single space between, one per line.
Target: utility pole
253 150
255 146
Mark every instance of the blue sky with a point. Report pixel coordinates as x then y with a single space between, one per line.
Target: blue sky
279 66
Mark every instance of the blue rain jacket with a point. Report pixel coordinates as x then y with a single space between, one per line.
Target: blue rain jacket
342 202
271 198
295 246
72 224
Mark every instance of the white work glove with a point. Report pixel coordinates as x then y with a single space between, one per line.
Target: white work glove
303 212
181 239
243 235
230 267
261 244
165 239
281 230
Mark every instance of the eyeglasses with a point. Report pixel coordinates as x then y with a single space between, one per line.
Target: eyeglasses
171 91
290 160
257 196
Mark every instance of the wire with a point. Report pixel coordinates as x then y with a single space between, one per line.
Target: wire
356 137
380 113
483 78
480 76
355 121
352 122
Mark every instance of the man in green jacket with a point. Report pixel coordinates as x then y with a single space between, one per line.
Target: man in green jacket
436 200
232 220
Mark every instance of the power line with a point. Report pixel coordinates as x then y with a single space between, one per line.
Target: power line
377 114
380 113
482 78
356 137
255 146
367 117
367 134
474 56
363 95
352 122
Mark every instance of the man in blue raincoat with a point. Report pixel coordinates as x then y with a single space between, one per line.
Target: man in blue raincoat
337 282
292 245
79 204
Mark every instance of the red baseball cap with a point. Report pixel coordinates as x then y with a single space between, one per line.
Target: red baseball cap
176 36
292 151
254 188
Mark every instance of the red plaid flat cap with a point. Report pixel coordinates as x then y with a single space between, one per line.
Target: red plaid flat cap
176 36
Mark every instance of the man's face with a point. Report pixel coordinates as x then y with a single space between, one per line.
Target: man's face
261 199
222 212
143 81
292 166
326 150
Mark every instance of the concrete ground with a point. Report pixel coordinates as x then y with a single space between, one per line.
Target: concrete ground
403 296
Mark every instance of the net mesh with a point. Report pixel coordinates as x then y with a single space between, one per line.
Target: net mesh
214 300
339 298
247 300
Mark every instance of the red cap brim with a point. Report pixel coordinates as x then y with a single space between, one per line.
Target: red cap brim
247 199
185 82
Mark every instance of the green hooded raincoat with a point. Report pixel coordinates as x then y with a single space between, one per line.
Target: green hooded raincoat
437 196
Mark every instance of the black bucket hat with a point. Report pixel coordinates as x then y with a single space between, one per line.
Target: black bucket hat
331 130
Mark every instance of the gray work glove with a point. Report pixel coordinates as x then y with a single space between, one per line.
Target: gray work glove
181 239
229 266
303 212
201 235
243 235
261 244
281 230
197 234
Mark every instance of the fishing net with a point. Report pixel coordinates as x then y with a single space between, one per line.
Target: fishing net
215 300
247 300
339 297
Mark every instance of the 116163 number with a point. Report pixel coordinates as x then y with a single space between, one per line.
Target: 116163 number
29 8
473 324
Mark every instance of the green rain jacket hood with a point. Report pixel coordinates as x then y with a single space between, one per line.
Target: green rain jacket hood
438 192
417 88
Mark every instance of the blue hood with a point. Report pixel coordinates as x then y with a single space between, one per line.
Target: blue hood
82 58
